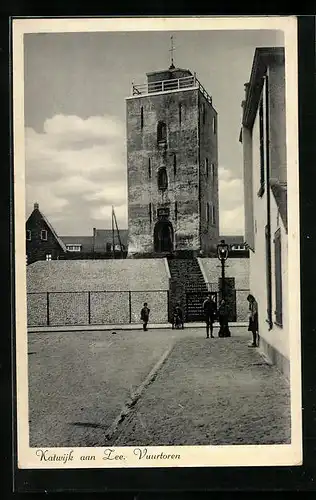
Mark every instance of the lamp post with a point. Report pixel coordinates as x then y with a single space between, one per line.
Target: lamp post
222 254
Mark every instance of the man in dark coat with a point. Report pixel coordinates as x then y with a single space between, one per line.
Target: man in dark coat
209 308
144 316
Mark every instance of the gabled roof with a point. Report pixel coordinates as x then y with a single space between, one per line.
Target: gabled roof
263 57
50 227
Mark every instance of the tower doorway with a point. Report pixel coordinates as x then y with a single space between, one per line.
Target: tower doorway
163 236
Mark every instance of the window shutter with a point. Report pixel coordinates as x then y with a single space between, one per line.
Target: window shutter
261 139
268 276
278 277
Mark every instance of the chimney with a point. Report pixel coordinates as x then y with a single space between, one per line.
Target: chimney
36 206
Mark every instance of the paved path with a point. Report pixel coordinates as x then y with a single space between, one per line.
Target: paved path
215 391
79 381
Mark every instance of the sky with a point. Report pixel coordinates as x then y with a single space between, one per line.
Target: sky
75 109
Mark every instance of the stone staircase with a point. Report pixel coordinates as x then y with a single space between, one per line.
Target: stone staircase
187 286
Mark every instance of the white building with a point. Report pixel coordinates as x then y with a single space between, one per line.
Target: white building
263 136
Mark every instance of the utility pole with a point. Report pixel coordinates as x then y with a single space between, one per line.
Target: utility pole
118 233
113 236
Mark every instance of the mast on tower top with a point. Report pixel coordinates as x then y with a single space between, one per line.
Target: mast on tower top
171 50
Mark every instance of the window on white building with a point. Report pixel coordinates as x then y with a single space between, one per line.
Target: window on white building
238 247
278 277
43 235
28 235
48 256
74 247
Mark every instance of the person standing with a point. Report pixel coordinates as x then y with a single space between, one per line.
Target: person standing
144 316
210 310
253 320
223 319
177 317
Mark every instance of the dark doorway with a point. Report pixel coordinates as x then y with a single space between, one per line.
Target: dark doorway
163 236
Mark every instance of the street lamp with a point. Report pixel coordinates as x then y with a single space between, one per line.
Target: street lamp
222 254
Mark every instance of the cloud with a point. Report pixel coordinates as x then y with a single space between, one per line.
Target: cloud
101 213
231 204
76 170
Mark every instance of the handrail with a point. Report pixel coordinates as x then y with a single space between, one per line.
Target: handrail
172 84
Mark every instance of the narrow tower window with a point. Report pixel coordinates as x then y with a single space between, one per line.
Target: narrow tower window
213 215
162 179
149 168
206 166
141 117
214 125
212 172
207 213
203 113
161 132
175 164
150 213
180 113
176 210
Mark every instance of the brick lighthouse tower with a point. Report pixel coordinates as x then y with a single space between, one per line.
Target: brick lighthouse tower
172 166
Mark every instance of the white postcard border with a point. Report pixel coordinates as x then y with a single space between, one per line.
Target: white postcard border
190 456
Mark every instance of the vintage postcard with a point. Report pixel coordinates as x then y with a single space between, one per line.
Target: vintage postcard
156 206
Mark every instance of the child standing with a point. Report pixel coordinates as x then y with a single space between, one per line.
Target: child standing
144 316
253 320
